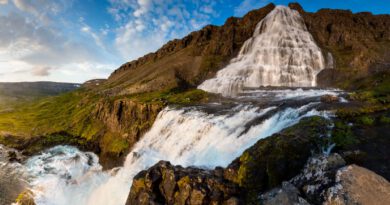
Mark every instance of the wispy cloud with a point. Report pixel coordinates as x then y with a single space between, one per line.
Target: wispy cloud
33 41
248 5
145 25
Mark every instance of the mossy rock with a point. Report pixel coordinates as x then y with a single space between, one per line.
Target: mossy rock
277 158
25 198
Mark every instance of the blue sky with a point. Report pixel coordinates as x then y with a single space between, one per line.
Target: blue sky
77 40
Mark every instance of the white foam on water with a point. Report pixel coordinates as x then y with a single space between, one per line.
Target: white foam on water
287 94
281 53
64 175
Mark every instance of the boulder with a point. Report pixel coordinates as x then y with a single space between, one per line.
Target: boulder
329 98
25 198
286 195
277 158
167 184
317 176
357 185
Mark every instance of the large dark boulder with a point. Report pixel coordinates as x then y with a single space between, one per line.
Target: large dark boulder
277 158
167 184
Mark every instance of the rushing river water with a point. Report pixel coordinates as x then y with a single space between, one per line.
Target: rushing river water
206 136
280 53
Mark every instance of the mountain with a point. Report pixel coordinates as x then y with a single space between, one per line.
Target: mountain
359 44
29 91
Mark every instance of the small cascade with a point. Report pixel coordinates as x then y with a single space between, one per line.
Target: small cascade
281 53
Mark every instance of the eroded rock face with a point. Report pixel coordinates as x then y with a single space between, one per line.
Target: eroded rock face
125 121
317 176
278 158
191 59
168 184
357 185
359 43
286 195
351 42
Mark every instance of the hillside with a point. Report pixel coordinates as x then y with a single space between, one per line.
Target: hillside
30 91
359 44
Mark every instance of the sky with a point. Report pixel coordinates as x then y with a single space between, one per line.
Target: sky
79 40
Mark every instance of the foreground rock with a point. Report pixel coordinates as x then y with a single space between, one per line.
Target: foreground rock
12 177
286 195
168 184
357 185
25 198
278 158
263 166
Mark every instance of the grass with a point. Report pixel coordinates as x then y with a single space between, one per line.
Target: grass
64 113
173 96
74 116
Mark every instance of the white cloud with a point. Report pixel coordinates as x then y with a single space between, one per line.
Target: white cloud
147 24
248 5
3 1
34 45
41 71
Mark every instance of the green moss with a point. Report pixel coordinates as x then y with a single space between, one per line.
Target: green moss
183 181
384 120
114 144
366 120
342 135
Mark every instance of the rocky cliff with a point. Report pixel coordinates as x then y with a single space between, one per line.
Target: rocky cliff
355 45
189 60
286 168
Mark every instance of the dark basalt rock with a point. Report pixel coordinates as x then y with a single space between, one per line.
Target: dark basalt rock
167 184
261 167
277 158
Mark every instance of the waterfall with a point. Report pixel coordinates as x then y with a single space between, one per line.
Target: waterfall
281 53
188 136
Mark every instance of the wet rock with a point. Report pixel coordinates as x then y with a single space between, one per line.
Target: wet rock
357 185
329 98
278 158
25 198
168 184
286 195
317 176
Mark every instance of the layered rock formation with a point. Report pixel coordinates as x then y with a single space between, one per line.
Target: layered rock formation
263 166
125 121
167 184
189 60
353 44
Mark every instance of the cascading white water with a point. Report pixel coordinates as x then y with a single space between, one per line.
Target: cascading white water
281 53
187 137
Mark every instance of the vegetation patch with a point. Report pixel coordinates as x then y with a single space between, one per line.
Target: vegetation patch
342 135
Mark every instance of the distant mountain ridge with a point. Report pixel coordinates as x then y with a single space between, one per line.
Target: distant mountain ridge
10 92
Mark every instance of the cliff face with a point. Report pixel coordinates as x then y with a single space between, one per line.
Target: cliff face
359 44
124 122
190 60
